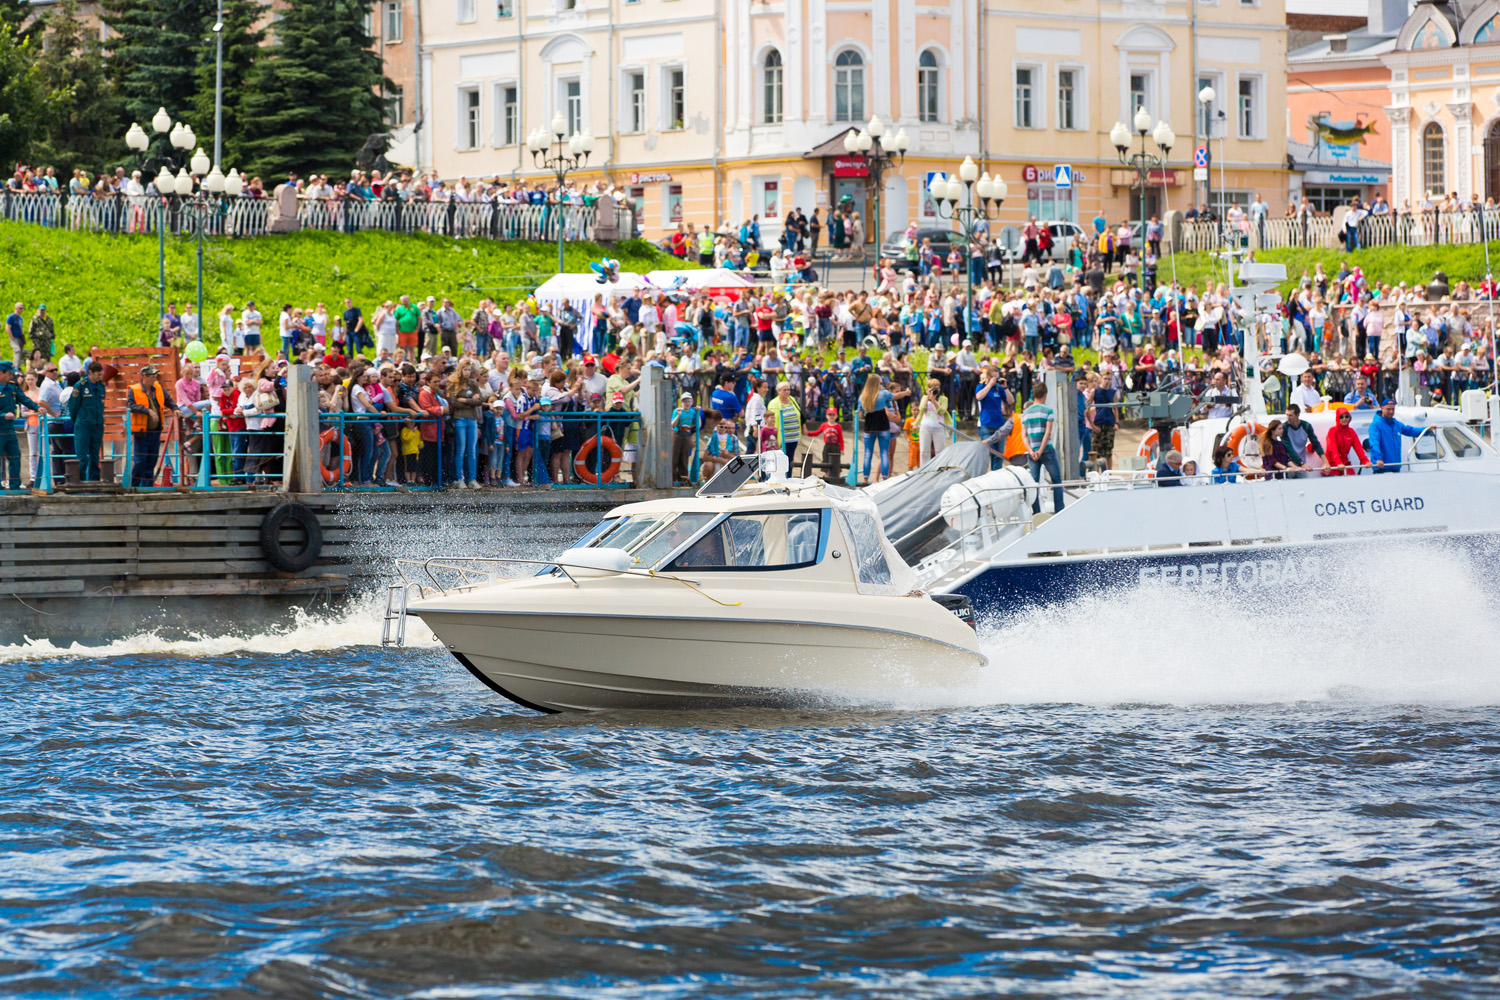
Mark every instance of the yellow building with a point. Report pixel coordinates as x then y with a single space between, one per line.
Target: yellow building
711 112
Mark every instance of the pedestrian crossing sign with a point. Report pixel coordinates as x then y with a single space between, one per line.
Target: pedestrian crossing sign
1062 175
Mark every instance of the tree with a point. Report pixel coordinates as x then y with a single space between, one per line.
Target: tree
22 98
13 13
154 51
242 45
81 126
313 98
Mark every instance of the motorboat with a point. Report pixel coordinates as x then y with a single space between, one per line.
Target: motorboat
759 590
973 533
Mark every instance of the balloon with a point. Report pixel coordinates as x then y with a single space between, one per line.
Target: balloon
608 270
196 351
953 340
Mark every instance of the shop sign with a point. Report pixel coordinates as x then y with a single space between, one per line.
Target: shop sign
1035 174
657 178
851 166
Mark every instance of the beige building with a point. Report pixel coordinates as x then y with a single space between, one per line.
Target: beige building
714 111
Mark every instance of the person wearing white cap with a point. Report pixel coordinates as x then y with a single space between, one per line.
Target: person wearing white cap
685 422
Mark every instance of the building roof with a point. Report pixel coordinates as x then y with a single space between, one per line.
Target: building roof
1359 46
1306 156
1328 8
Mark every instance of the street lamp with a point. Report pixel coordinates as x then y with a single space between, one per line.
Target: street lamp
881 155
1206 98
947 191
572 153
1144 162
175 141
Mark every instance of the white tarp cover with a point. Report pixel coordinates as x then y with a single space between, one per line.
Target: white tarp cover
579 290
715 278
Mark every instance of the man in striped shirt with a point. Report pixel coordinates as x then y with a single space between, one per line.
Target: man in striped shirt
1038 422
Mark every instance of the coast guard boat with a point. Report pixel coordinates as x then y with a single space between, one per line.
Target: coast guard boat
971 532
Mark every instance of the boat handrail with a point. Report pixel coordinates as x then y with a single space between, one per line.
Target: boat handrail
454 563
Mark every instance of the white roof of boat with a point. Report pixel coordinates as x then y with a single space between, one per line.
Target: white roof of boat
793 494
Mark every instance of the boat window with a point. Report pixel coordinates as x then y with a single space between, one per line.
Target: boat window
757 541
1460 443
871 569
673 537
1426 448
630 531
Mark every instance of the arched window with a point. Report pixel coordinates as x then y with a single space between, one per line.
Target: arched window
771 89
849 87
1434 159
929 81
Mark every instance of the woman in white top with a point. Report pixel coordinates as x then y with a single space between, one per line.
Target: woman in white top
755 415
384 322
230 337
320 325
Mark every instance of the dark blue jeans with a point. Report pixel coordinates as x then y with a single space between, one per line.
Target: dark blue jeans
1049 462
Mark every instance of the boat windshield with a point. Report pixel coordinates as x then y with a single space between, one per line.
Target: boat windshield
758 540
647 537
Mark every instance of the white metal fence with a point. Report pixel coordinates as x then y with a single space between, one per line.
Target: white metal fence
252 216
1389 229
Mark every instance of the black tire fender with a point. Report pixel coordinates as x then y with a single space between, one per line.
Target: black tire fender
278 554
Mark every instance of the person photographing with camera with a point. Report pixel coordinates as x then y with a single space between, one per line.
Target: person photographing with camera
932 422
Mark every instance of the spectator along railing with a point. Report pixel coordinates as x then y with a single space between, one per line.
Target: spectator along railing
1385 229
245 216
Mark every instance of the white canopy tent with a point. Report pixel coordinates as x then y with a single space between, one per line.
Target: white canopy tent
718 279
579 291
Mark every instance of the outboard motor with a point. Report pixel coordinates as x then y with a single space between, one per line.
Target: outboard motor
960 606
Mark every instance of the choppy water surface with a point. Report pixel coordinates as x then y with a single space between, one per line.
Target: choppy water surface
347 821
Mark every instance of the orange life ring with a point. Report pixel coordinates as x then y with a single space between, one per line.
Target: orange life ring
1232 442
331 476
584 470
1149 443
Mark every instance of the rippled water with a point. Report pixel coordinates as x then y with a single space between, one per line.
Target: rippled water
351 821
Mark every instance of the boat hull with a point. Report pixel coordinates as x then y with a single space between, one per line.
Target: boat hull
1004 589
583 662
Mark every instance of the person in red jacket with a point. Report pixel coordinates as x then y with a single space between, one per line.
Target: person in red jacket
1341 440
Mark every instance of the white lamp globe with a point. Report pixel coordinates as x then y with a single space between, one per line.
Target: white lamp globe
184 183
214 182
1120 135
969 170
135 137
1206 95
161 121
876 127
938 186
1142 120
200 162
559 125
234 184
164 182
998 190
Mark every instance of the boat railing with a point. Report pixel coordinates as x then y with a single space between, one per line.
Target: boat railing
464 572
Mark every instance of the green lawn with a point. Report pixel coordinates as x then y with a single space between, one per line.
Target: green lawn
1413 265
101 289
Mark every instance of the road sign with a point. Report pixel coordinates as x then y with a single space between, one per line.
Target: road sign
1062 175
1200 157
1200 173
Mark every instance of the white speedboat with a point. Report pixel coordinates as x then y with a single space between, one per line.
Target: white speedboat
775 593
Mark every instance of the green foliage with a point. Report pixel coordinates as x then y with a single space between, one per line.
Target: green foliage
313 98
153 51
80 128
22 98
1382 265
102 288
242 41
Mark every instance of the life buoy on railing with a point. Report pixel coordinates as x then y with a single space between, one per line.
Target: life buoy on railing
331 476
287 558
1249 459
1150 445
584 469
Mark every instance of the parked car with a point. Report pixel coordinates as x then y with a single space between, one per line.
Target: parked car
895 245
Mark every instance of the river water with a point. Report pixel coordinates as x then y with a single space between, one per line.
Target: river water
1148 796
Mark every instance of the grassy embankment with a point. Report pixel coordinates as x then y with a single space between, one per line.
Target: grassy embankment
1382 265
101 289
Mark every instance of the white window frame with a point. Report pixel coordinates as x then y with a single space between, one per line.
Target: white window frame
465 11
667 124
468 127
1422 157
498 139
392 16
628 124
940 79
864 86
1038 95
560 88
1257 81
1080 95
1153 92
505 9
767 117
395 109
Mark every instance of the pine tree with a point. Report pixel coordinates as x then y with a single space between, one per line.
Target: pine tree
154 50
313 98
22 98
242 45
80 129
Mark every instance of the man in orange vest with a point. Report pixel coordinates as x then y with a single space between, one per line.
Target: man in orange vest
148 405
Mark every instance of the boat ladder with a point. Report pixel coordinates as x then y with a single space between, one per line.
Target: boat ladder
393 628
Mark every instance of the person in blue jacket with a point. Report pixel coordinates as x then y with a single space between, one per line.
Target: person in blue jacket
1385 438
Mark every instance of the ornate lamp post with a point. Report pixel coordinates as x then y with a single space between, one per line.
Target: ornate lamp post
572 153
1143 162
881 156
171 139
1206 98
947 191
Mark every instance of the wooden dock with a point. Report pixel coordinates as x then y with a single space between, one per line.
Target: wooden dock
95 568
